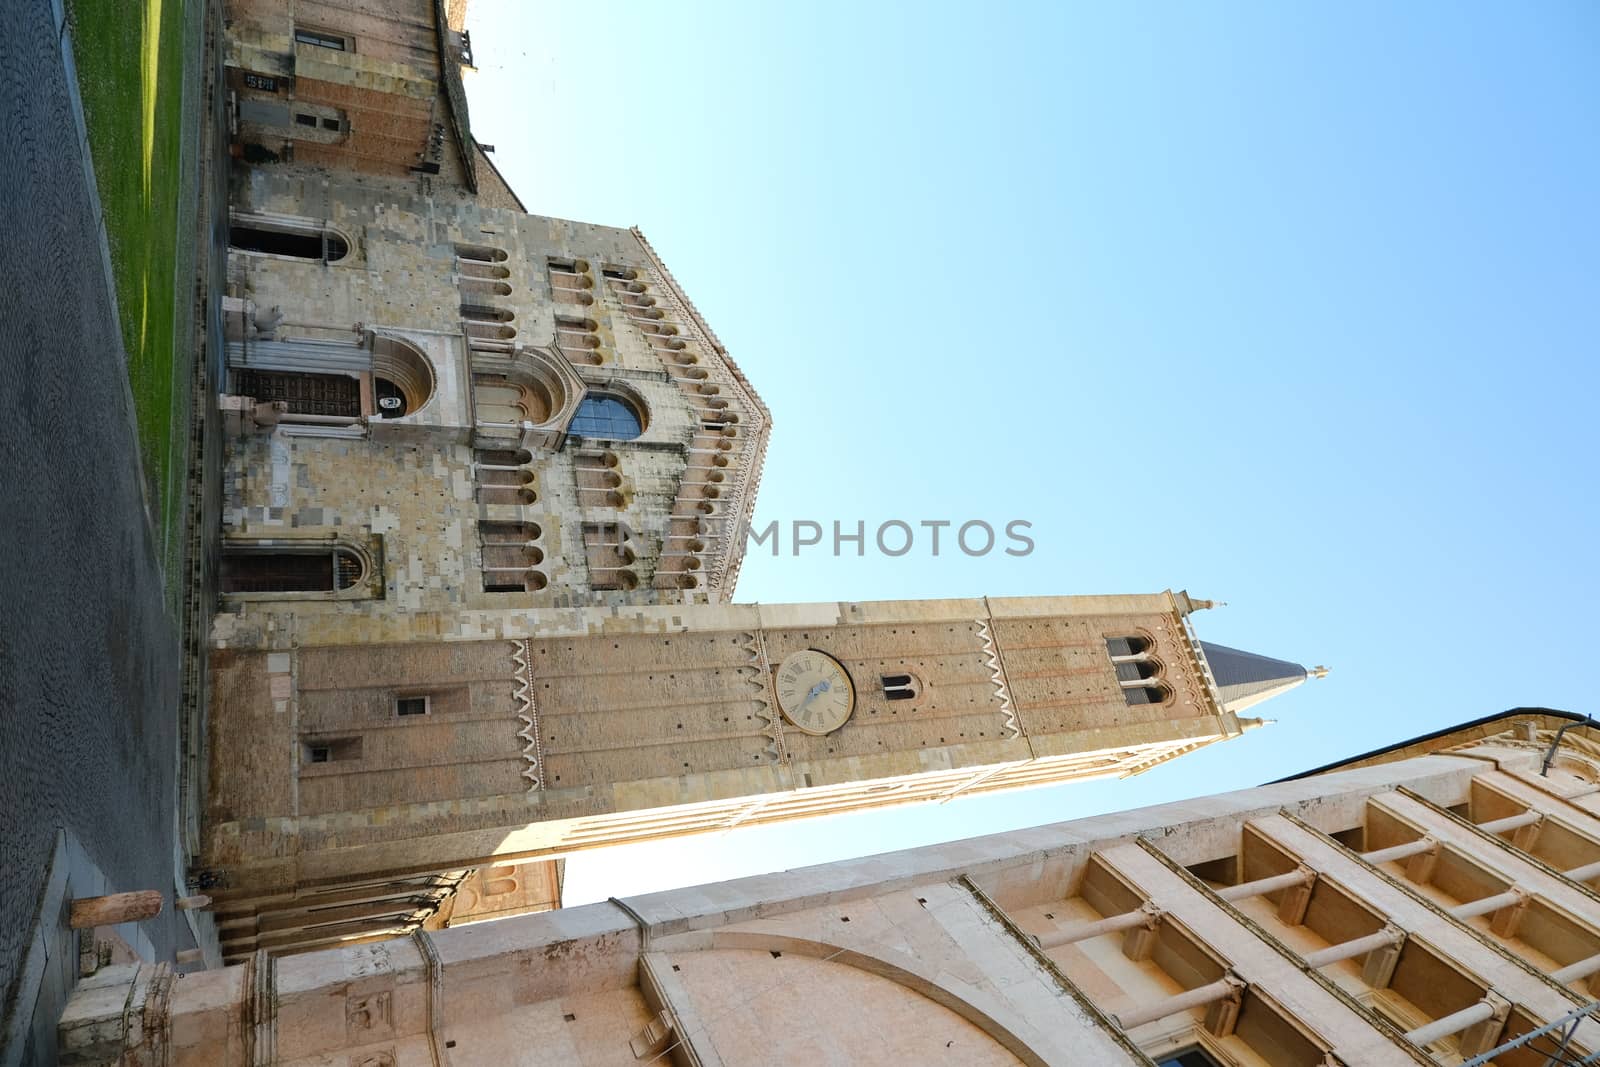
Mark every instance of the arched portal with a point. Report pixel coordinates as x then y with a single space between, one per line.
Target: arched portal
833 1008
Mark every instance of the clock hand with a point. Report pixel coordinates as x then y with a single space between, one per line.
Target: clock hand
816 691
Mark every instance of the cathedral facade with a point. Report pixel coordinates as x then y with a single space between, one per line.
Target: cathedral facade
444 412
488 480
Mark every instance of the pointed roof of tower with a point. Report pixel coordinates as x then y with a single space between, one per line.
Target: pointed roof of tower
1245 678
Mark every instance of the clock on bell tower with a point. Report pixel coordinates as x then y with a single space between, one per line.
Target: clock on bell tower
814 691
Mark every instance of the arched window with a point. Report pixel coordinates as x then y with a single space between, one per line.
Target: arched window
1137 673
598 480
510 558
481 253
1137 670
289 570
503 401
1146 694
485 313
608 416
900 686
1131 645
609 553
568 280
579 340
403 378
274 237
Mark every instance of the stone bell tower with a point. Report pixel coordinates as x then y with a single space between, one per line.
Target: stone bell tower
354 766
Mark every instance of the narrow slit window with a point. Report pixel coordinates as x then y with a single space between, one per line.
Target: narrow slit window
411 706
306 120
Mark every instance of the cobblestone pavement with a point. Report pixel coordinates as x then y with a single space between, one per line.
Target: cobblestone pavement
89 662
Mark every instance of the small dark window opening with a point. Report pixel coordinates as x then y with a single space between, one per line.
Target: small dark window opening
318 245
411 706
624 274
276 572
321 40
1127 646
333 750
306 120
331 124
898 686
1145 694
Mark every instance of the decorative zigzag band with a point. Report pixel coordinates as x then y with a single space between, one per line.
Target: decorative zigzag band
528 712
997 674
755 646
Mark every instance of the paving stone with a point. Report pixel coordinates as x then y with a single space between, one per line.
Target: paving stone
89 660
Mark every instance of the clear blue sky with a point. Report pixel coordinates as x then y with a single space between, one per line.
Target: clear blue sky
1291 306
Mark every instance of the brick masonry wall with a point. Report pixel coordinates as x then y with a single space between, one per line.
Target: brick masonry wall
646 710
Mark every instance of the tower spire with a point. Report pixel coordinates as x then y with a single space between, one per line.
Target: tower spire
1245 679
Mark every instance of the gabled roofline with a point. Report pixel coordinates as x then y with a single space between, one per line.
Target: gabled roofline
501 176
745 504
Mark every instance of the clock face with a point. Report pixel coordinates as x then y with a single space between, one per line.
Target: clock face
814 691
